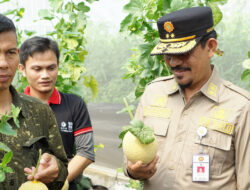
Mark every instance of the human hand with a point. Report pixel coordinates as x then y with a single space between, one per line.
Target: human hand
47 171
140 171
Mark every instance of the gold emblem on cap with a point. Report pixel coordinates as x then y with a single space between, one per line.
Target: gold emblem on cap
168 26
201 158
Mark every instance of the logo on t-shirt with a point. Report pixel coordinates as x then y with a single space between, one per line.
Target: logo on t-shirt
66 127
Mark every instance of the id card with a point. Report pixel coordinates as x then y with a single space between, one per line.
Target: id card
201 167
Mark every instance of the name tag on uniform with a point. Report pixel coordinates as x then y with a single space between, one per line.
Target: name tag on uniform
201 168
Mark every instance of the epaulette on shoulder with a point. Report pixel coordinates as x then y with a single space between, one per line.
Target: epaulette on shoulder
237 89
161 79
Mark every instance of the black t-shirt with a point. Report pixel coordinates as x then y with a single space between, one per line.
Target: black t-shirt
72 118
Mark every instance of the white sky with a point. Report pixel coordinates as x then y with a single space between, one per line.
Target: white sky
110 11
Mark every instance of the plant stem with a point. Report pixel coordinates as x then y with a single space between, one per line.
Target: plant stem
127 107
38 162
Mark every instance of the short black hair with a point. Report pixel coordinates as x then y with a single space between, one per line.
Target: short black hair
205 38
37 45
6 25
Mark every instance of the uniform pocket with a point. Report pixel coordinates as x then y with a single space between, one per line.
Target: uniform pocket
160 127
35 141
218 146
31 147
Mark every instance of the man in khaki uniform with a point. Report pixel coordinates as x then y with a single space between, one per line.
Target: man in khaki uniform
201 122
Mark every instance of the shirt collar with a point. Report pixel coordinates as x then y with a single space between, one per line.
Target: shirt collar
55 98
210 89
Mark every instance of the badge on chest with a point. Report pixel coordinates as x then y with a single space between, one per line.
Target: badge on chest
201 161
201 167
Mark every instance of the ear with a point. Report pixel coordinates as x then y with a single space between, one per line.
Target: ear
211 45
167 60
21 68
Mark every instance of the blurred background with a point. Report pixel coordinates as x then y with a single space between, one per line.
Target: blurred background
109 51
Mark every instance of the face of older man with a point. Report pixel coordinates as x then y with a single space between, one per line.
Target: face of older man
192 70
9 58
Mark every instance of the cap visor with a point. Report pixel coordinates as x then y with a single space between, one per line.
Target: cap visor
175 48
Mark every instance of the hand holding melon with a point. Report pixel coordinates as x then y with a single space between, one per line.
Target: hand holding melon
139 142
34 184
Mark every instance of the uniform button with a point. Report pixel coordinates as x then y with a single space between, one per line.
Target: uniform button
211 141
171 167
12 182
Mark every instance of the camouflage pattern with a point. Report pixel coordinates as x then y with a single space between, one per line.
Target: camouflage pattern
38 130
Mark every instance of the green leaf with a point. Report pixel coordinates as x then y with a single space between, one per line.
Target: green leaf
20 12
217 14
4 147
5 128
125 129
9 12
139 90
143 133
82 55
15 113
3 1
249 54
29 32
246 75
69 7
8 170
91 1
246 64
45 14
71 43
221 2
56 5
134 6
82 7
119 170
178 4
7 158
126 22
2 175
92 84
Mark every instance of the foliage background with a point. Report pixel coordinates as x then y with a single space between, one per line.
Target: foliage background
111 53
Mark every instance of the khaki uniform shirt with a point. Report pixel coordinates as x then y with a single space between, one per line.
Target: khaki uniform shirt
38 130
223 109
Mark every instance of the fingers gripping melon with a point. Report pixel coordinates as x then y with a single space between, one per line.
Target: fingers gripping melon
136 151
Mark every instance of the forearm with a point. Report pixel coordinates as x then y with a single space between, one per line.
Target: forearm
76 166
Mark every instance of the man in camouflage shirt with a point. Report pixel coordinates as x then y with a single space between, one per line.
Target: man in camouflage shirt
38 128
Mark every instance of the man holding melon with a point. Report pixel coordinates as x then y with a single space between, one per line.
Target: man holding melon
39 58
200 121
37 135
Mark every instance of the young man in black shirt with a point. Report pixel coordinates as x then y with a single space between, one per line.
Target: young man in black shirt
39 58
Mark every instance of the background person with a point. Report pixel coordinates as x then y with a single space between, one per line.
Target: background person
39 59
38 128
199 119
